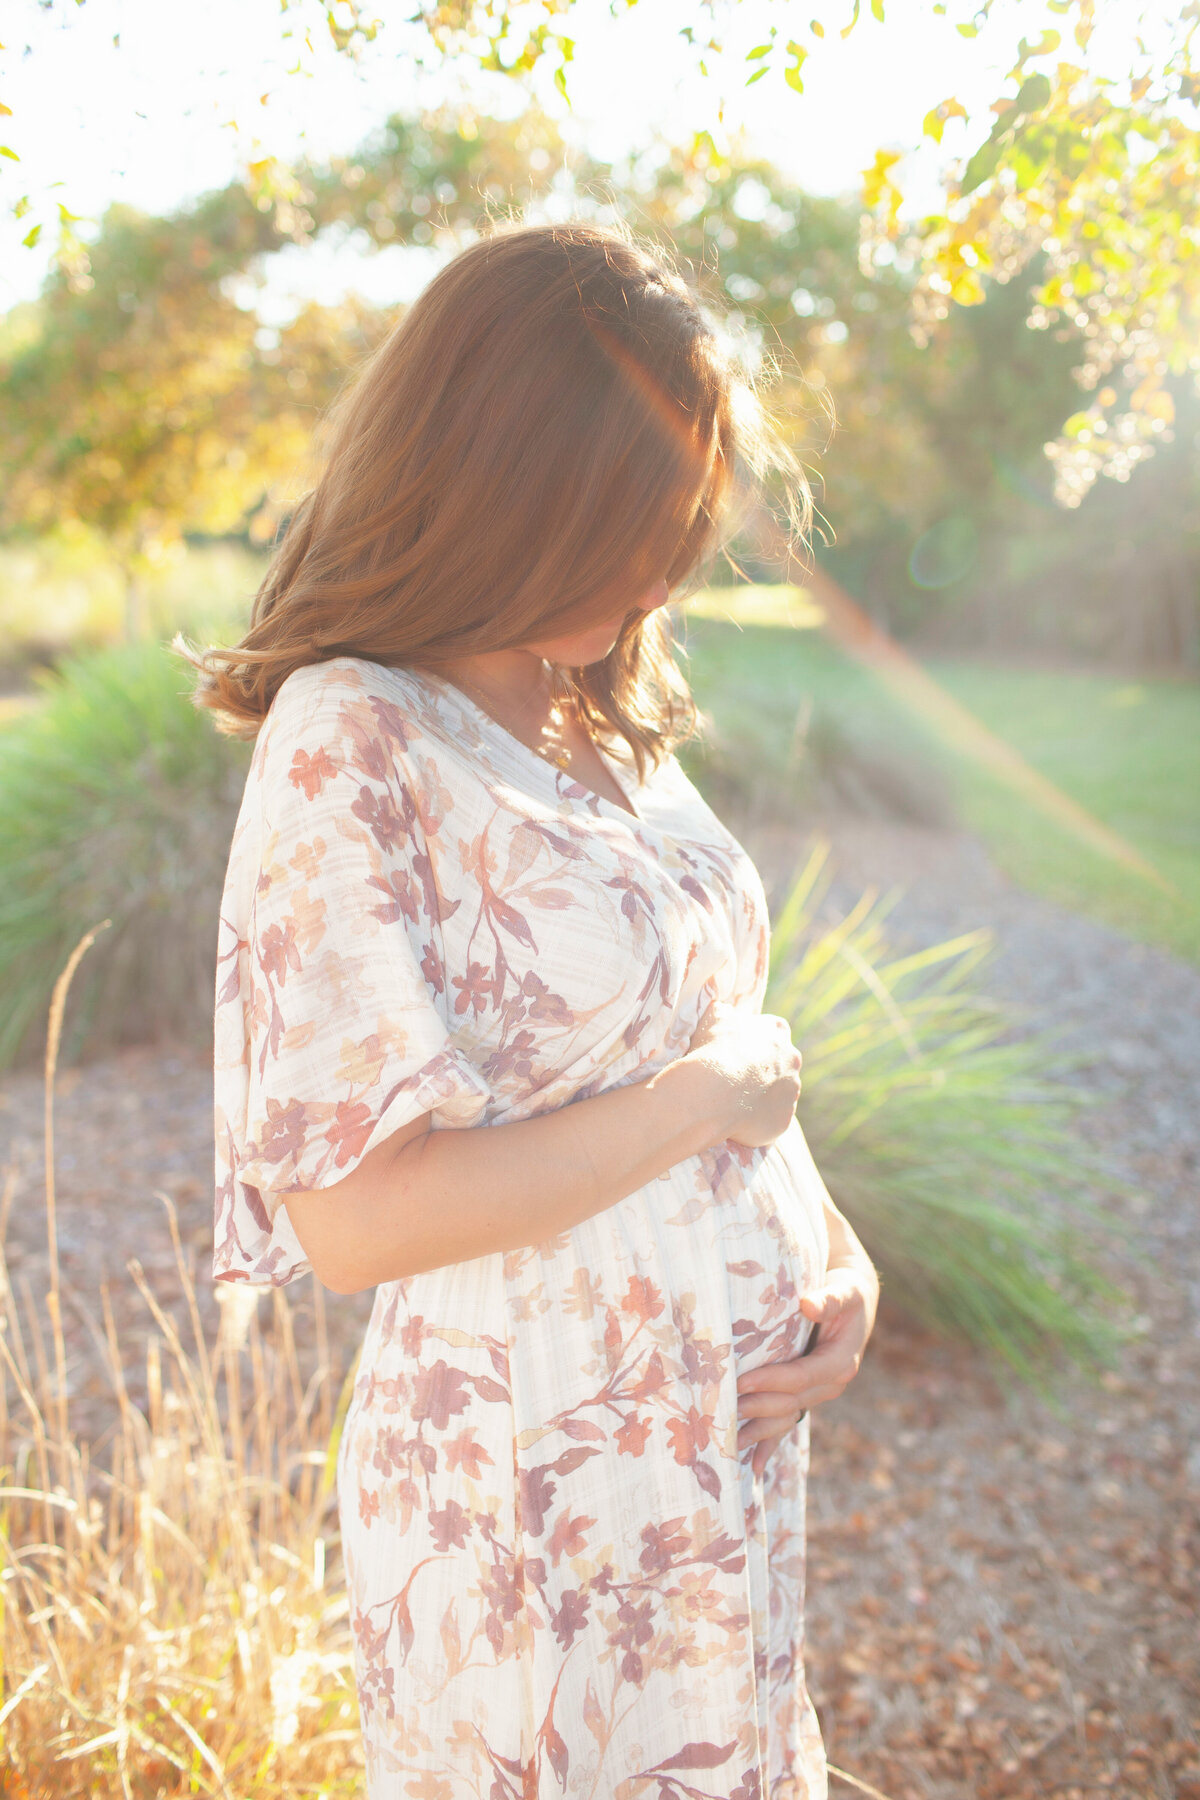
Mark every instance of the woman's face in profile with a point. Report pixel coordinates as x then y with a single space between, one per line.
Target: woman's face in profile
578 649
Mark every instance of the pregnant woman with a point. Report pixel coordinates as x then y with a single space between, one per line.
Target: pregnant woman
489 1041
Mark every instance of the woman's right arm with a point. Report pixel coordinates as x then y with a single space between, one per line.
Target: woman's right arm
424 1198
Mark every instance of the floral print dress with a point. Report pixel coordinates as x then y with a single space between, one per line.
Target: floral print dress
562 1576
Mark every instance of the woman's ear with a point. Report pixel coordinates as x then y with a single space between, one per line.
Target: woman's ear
655 597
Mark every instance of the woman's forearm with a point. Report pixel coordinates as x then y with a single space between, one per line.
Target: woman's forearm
424 1198
846 1252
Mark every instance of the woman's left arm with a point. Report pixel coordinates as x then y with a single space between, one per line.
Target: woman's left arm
774 1398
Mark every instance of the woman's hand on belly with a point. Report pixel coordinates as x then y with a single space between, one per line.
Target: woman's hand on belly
773 1398
758 1068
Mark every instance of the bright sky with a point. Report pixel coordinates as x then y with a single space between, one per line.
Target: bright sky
190 91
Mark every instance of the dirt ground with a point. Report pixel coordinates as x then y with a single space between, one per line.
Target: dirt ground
1004 1595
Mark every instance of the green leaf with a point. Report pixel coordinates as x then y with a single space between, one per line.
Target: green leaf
982 164
934 126
792 76
877 10
757 75
31 237
1034 94
11 154
816 27
847 29
560 82
1070 152
759 51
967 30
21 207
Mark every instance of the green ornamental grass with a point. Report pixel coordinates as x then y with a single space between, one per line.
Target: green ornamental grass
946 1135
117 800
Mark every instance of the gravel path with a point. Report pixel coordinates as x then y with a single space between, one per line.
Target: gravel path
1003 1595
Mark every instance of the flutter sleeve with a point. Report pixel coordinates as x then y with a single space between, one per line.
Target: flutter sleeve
331 1030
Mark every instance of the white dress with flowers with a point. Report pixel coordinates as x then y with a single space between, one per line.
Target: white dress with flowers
563 1578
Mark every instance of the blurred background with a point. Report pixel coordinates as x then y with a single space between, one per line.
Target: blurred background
957 253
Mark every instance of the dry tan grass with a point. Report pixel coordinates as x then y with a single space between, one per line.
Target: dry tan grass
168 1624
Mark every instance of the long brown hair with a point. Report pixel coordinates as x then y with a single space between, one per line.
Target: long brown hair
552 428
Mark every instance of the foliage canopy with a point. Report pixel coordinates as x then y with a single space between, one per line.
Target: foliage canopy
149 401
1091 169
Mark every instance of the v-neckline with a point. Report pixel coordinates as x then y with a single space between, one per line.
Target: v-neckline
519 746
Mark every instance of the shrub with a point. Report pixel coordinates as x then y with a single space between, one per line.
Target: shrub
945 1135
117 801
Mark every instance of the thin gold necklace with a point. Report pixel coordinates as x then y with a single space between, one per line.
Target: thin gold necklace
554 750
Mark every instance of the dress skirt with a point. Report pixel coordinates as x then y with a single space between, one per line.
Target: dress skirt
563 1578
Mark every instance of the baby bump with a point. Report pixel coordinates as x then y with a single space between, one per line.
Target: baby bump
615 1345
773 1237
678 1287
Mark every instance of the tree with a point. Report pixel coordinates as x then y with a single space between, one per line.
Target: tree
148 403
1088 173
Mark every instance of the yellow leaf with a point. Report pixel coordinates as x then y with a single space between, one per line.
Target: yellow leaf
937 119
879 187
967 289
